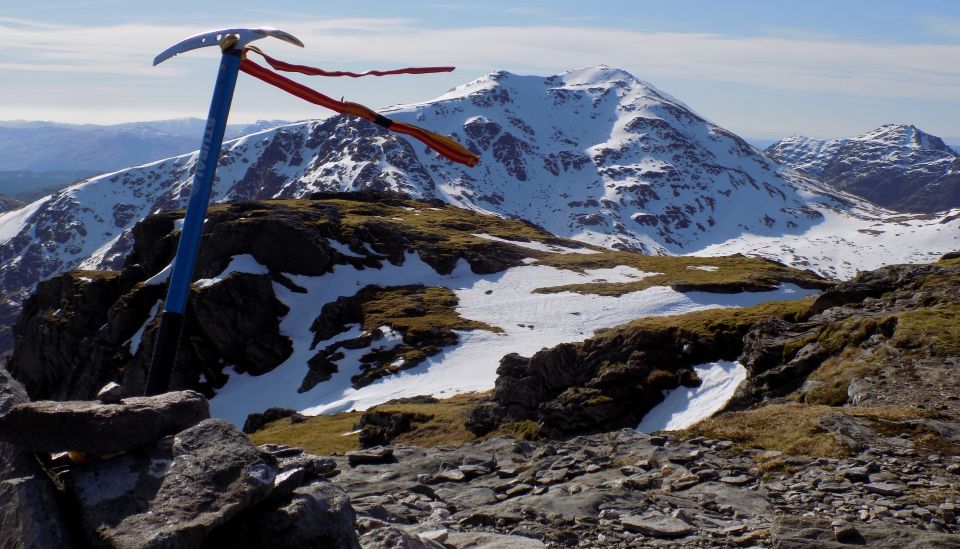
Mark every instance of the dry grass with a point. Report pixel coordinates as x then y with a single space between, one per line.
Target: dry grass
717 321
836 373
792 428
325 434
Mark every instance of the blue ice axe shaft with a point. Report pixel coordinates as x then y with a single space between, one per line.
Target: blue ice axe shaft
231 42
171 322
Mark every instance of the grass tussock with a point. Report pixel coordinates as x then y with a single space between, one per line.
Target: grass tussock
719 274
415 309
325 435
835 375
719 321
793 428
934 327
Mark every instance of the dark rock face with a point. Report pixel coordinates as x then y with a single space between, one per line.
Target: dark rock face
82 330
252 342
607 382
58 363
255 422
100 429
175 494
30 509
380 427
896 166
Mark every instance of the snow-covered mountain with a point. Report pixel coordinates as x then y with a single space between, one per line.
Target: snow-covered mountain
90 148
897 166
593 154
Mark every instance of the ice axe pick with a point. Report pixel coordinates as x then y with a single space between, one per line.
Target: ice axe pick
231 43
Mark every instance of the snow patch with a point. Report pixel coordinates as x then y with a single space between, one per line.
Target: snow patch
708 268
685 406
133 344
530 322
161 277
343 249
244 263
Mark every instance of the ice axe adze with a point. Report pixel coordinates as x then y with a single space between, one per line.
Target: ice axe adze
231 43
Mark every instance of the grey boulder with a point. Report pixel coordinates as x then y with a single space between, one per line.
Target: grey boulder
174 494
317 515
100 429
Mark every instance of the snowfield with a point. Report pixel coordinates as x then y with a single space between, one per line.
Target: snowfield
531 321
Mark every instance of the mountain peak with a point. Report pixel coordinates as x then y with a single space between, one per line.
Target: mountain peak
897 166
905 135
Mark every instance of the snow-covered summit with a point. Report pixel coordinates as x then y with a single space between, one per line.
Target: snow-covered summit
896 165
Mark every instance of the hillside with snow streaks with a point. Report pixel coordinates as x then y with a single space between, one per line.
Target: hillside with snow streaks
593 154
897 166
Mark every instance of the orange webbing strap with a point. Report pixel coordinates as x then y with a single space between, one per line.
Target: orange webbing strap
313 71
443 145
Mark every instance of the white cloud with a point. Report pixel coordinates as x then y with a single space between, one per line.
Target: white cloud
797 63
873 69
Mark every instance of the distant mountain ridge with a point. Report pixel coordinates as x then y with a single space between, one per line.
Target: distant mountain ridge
897 166
593 154
53 146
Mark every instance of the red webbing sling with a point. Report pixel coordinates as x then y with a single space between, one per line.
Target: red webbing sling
443 145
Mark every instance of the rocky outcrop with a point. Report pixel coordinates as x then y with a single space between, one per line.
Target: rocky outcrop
83 329
613 379
607 382
195 483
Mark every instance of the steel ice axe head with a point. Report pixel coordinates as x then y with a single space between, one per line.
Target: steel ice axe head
225 38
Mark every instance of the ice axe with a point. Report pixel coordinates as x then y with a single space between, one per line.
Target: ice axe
231 43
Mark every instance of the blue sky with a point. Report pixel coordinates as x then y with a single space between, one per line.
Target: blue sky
763 69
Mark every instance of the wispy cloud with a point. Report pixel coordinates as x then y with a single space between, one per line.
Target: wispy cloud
797 63
944 26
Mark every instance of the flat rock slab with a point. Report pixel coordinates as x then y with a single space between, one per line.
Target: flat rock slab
372 456
658 526
100 429
484 540
172 495
885 488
